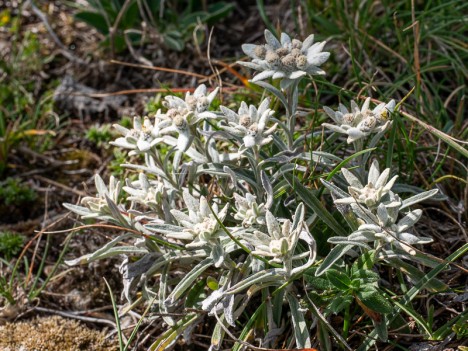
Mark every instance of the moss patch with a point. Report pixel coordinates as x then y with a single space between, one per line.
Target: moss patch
53 334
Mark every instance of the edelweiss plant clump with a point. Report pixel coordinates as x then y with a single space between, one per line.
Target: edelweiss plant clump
219 224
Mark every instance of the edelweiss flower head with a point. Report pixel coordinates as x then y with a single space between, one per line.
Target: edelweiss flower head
250 123
395 233
196 103
142 136
179 121
360 122
372 193
248 211
287 59
201 226
98 203
183 114
282 238
145 192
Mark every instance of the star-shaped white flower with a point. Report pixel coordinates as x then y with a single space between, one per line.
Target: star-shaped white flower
370 194
286 59
249 123
142 136
359 123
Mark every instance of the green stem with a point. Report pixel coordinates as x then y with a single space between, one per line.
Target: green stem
346 321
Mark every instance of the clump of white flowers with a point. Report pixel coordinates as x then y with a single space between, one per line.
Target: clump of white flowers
359 123
250 124
219 212
286 59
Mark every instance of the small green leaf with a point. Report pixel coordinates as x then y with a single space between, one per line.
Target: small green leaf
365 261
173 40
318 283
195 294
339 303
366 276
339 279
374 300
94 19
212 283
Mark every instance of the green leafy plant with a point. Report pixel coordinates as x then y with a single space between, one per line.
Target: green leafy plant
23 116
172 22
13 192
225 220
10 244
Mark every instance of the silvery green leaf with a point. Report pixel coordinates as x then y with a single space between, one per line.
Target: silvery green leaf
266 276
217 255
105 251
274 91
333 256
116 214
273 226
271 40
162 296
163 228
80 210
344 241
298 217
229 311
262 75
351 179
301 331
187 280
209 303
418 198
268 188
218 335
364 213
333 188
374 175
382 214
286 83
362 236
151 170
409 220
100 186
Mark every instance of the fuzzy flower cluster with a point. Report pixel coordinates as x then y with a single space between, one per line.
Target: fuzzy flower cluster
359 123
249 123
215 213
288 59
378 210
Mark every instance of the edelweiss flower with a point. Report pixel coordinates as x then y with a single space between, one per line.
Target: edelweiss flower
201 226
372 193
183 114
287 59
248 211
250 123
360 122
281 240
198 103
396 233
141 137
98 203
145 192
